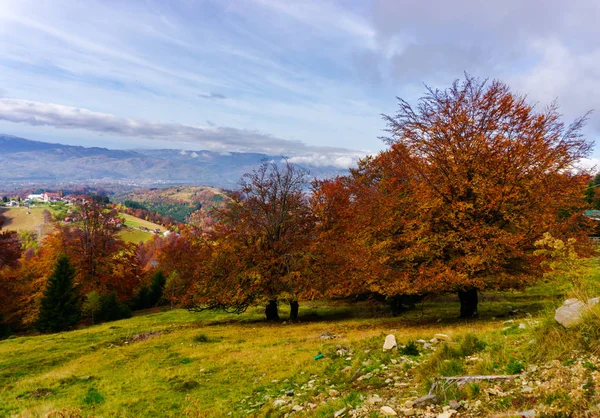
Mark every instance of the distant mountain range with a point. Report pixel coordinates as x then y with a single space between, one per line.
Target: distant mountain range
26 161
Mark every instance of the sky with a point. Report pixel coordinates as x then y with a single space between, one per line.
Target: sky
305 79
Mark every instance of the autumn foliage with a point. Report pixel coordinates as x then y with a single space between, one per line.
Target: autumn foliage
473 177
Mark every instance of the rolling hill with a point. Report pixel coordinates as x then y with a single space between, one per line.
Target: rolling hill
26 161
182 203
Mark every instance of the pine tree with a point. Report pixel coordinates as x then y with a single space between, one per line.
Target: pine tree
58 308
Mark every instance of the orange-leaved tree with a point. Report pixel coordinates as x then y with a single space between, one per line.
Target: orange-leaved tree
488 174
258 243
473 177
10 252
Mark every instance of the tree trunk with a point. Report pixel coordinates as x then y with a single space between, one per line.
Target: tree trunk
468 303
294 305
271 311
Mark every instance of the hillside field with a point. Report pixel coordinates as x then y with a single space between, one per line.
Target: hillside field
17 219
176 363
182 203
133 222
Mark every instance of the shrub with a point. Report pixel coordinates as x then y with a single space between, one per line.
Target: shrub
514 367
410 349
201 338
111 309
93 397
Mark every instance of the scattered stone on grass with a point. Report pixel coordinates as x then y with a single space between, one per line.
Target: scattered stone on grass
571 311
339 413
390 342
425 401
387 411
442 337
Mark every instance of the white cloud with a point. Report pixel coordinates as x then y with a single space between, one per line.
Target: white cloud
220 139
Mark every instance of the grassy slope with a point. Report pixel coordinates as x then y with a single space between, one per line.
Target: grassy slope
243 357
17 219
132 234
132 221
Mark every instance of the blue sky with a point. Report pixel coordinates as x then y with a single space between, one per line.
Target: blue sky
308 79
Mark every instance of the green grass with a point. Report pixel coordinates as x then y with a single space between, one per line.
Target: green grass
133 222
134 235
177 363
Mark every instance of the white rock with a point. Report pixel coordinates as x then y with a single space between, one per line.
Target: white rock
522 326
390 342
387 411
442 337
571 311
374 399
446 414
334 392
297 408
279 403
339 413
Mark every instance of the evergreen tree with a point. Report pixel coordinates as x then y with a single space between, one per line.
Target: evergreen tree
58 308
156 289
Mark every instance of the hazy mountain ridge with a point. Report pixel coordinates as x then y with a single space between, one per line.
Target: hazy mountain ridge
26 160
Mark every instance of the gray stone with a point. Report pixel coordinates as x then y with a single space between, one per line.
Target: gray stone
290 392
442 337
425 401
570 313
390 342
279 403
454 405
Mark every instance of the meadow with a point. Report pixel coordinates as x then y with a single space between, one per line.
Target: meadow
177 363
17 219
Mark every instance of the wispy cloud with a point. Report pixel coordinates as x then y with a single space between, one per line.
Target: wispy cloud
212 95
213 138
310 72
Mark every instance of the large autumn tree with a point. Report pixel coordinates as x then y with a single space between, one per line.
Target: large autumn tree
10 252
258 243
473 177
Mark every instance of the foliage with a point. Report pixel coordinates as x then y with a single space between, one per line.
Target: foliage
473 177
258 243
410 349
111 309
514 367
59 306
92 305
149 297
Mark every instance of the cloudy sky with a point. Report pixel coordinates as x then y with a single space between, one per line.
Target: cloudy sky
308 79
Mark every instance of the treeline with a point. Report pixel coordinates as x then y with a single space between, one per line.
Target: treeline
164 212
138 210
473 178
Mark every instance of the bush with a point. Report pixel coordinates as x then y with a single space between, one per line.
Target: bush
514 367
201 338
111 309
93 397
410 349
